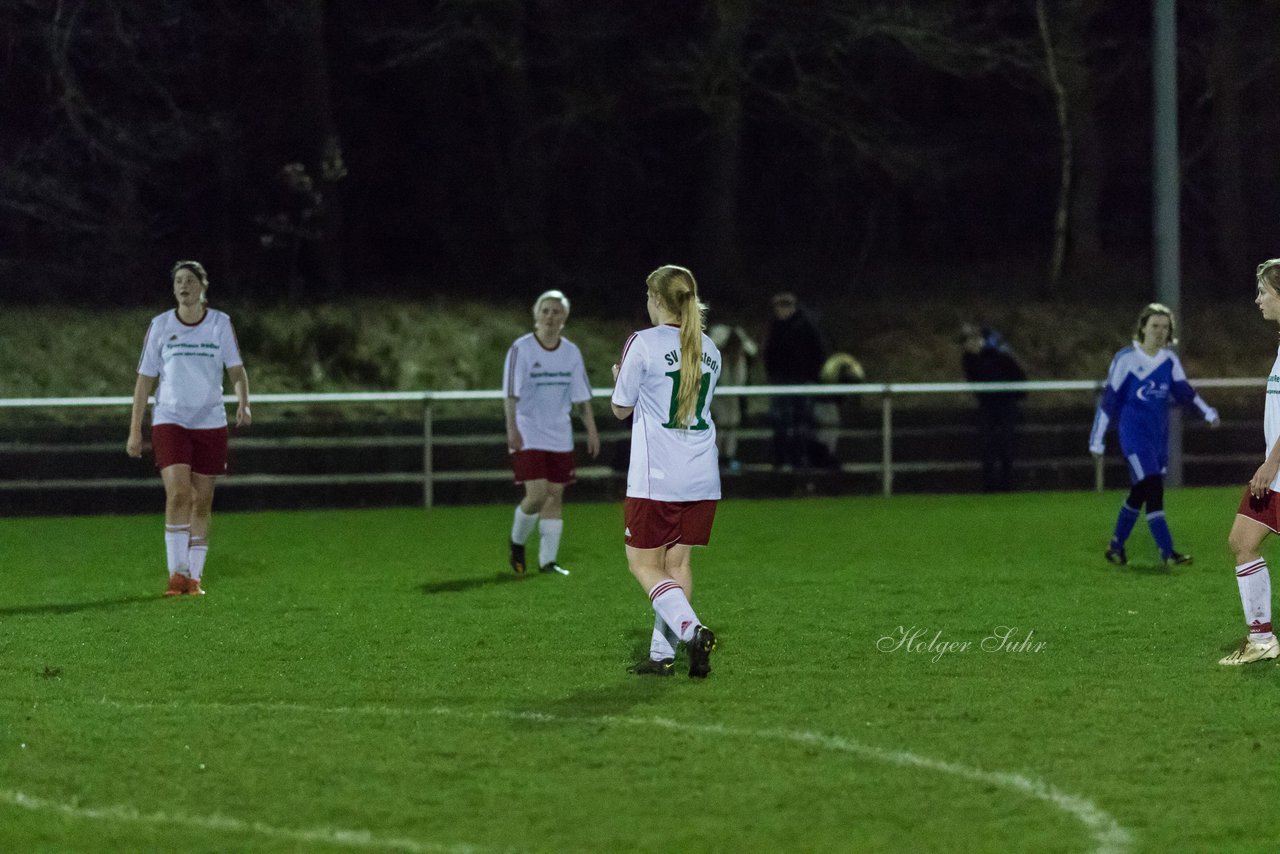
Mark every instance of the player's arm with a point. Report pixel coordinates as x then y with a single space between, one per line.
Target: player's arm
1185 395
1260 483
622 413
588 416
240 381
1101 421
515 442
511 389
1109 405
630 380
142 389
1210 414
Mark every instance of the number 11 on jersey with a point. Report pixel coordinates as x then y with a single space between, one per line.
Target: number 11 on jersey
704 385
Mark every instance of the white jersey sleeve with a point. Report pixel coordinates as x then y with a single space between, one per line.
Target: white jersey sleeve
626 390
580 390
230 349
149 362
511 371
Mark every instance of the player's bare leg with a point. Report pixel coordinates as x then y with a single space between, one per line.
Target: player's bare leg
201 519
526 518
550 528
653 569
179 495
1254 581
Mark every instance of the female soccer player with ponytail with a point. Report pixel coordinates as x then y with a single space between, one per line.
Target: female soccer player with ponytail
1258 516
667 377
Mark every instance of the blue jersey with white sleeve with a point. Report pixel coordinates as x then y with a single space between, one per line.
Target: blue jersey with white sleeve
1139 390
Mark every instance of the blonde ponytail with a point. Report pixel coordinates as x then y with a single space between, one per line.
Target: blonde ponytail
678 290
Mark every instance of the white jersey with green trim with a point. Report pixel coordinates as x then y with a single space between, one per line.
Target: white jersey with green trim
189 359
668 462
546 384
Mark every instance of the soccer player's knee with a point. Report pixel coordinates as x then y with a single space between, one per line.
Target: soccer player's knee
1242 546
181 497
534 498
1149 491
553 501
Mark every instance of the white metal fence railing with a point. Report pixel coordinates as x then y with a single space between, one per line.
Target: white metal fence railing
885 392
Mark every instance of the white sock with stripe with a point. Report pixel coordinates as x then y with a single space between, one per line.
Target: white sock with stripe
673 607
196 555
522 526
1255 595
549 531
663 644
177 541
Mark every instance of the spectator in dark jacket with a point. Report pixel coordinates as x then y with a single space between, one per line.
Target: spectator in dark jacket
793 355
987 359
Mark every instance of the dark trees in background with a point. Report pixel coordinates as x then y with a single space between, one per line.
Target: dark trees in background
1078 77
492 148
311 137
1242 63
94 141
137 133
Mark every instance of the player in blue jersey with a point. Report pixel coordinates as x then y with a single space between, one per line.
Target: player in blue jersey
1145 378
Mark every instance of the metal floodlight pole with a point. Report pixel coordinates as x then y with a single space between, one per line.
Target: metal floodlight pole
1165 188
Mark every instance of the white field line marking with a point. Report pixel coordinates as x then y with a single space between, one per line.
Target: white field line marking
1109 836
318 835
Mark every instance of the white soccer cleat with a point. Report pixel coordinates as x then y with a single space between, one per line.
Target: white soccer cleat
1251 651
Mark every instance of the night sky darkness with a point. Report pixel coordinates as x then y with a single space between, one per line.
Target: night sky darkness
492 148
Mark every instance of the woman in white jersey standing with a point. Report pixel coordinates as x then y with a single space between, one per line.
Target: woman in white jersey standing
667 378
1259 513
186 350
543 378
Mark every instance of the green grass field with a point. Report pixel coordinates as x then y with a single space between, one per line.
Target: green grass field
376 680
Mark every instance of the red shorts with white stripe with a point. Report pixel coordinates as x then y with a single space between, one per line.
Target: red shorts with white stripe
661 524
551 466
1265 510
204 450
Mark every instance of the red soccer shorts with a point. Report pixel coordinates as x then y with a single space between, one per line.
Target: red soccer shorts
204 450
657 524
1265 509
551 466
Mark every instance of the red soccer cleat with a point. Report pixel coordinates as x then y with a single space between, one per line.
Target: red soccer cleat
177 584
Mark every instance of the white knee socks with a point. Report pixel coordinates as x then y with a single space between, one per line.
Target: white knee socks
177 540
1255 595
